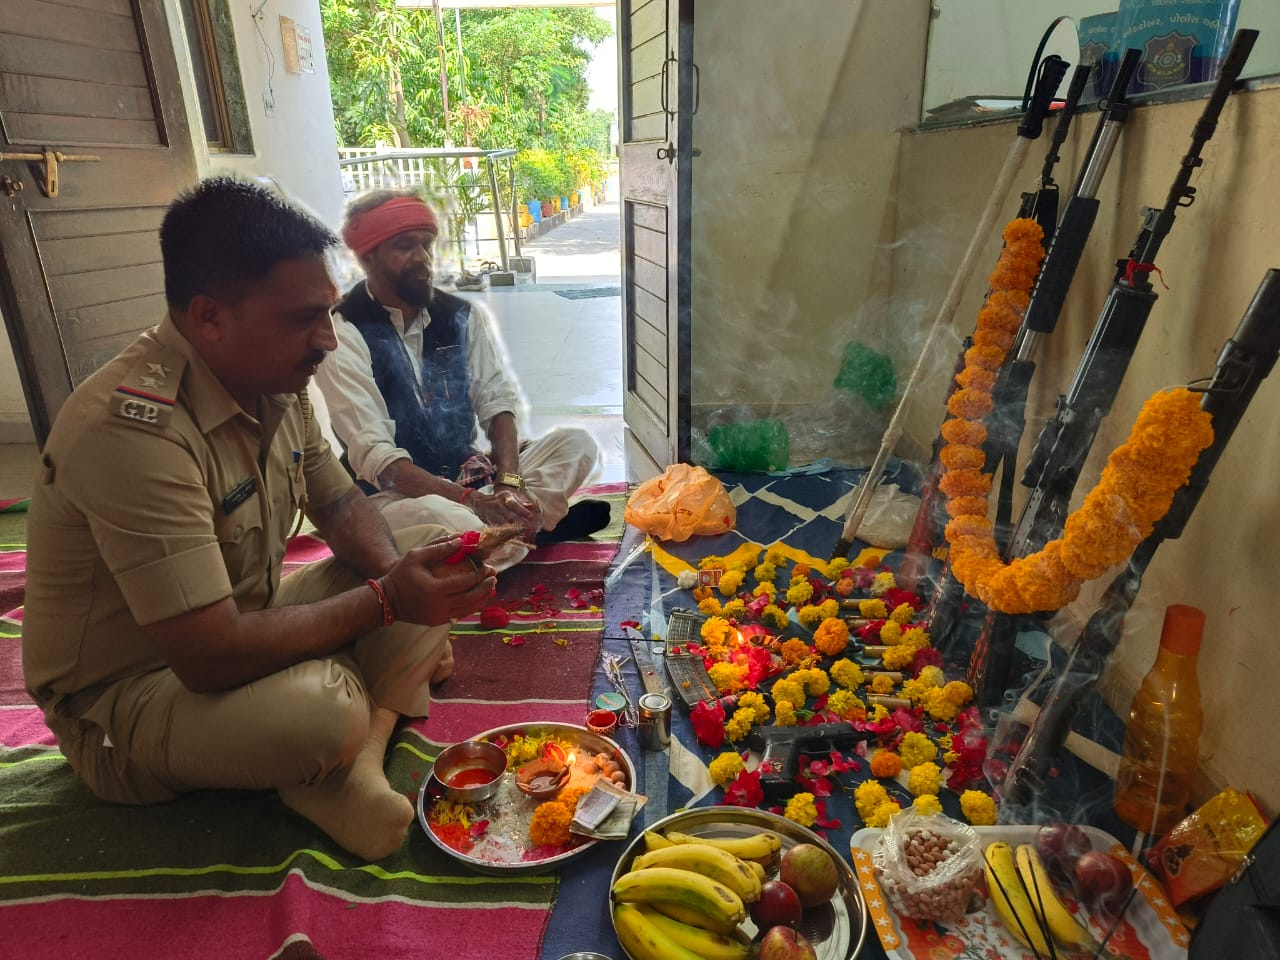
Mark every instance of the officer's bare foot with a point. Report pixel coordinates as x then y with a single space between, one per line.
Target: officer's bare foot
361 813
357 807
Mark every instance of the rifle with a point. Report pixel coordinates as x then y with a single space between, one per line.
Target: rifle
1052 70
1042 204
1063 445
1245 361
1007 421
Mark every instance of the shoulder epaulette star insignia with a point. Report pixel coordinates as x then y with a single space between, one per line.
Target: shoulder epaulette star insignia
148 393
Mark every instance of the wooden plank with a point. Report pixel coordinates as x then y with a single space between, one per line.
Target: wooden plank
26 94
646 96
651 127
81 254
650 245
73 291
122 7
649 215
97 321
63 224
646 335
653 399
648 21
80 131
42 20
646 60
651 369
649 277
66 61
84 360
653 309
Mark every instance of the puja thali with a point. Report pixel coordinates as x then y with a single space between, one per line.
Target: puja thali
493 836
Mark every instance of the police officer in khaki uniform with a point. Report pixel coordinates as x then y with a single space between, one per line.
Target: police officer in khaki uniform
159 639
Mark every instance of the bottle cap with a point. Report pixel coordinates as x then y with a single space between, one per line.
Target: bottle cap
1183 629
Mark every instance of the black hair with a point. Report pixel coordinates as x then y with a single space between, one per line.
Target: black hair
225 234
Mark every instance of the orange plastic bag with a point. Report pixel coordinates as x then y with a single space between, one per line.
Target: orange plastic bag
683 501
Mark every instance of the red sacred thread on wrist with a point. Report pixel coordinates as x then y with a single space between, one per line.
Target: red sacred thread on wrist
388 613
466 492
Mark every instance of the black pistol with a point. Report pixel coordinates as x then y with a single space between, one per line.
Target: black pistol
780 747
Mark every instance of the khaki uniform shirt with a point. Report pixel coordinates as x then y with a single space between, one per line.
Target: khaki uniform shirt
158 496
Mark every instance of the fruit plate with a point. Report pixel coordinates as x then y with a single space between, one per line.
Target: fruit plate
492 836
836 928
1150 929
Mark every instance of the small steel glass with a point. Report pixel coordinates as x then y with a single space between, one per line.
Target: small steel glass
654 729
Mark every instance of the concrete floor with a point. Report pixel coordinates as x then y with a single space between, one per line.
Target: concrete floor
567 353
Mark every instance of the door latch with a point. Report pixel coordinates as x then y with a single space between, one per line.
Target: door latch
49 160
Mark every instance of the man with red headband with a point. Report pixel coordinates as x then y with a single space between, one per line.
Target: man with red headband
418 374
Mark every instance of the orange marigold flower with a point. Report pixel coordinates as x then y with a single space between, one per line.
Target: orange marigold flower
955 456
975 378
845 586
965 483
1023 231
989 358
549 825
794 650
970 404
968 526
959 506
1000 340
968 433
885 763
832 636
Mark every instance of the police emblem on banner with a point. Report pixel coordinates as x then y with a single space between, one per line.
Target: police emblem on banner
1166 60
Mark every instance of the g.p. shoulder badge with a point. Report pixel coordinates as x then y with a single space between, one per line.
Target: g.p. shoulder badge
147 395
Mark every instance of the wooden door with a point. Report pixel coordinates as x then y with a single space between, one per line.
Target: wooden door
655 123
80 272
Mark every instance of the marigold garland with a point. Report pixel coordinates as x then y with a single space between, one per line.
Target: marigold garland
1134 493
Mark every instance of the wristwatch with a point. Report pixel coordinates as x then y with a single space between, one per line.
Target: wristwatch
511 480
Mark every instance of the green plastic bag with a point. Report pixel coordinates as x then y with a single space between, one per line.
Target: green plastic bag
868 374
756 446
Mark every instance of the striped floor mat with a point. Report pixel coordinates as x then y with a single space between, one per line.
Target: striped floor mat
223 874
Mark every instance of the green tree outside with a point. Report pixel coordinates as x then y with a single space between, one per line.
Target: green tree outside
520 82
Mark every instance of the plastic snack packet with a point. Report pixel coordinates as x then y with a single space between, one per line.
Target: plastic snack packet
1205 848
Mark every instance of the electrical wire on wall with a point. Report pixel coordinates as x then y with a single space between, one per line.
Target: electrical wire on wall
269 97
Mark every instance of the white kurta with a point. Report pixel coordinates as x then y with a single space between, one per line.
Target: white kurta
554 466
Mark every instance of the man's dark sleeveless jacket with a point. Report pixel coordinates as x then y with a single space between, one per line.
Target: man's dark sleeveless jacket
437 429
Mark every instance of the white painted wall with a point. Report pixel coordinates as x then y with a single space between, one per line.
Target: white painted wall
291 114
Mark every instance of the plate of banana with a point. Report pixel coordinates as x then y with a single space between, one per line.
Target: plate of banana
1027 901
690 888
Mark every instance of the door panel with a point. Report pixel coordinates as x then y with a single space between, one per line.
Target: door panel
80 273
656 43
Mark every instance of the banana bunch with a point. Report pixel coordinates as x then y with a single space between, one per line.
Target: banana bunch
685 896
1027 903
759 848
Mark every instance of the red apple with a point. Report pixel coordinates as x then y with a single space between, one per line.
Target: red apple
1103 881
1060 845
778 906
783 943
810 872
